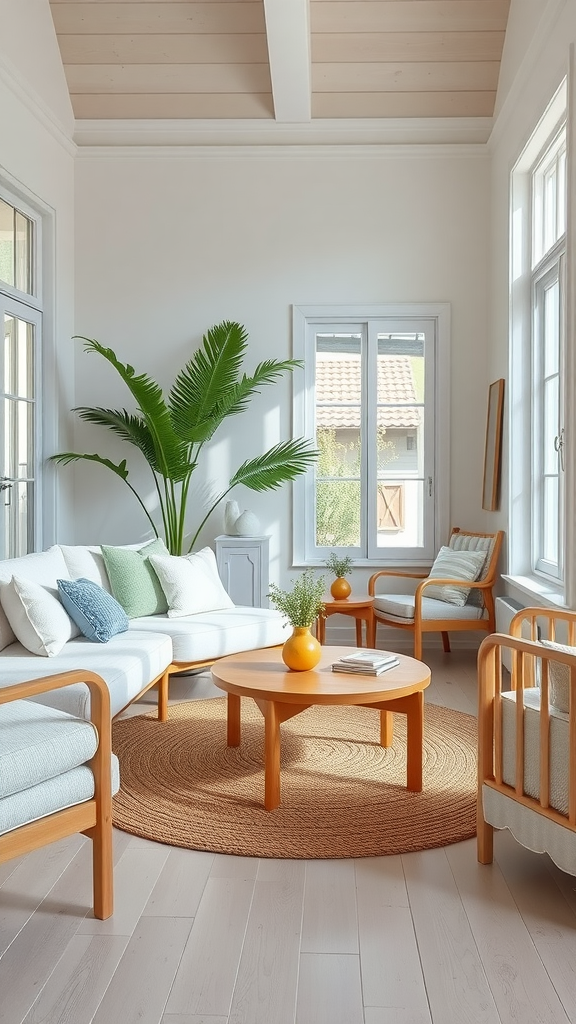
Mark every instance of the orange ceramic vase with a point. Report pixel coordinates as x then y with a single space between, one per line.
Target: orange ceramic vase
340 589
301 650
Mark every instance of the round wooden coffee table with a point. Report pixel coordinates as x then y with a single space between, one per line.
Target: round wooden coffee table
281 694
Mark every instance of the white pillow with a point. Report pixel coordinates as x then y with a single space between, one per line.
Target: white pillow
191 583
37 616
455 565
43 567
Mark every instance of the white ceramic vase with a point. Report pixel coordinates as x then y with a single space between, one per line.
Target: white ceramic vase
231 513
247 524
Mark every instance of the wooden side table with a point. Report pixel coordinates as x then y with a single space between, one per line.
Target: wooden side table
359 607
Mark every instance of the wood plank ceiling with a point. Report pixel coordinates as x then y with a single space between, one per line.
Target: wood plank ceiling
283 60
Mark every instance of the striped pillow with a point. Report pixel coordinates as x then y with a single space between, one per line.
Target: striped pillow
455 565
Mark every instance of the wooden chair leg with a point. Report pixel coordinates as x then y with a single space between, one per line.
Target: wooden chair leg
446 643
163 686
484 840
418 645
102 869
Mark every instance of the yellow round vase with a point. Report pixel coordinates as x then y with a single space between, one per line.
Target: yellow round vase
340 589
301 651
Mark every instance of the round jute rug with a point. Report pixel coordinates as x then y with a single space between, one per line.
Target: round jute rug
342 794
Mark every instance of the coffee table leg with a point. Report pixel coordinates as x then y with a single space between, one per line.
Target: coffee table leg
415 730
386 728
233 720
271 755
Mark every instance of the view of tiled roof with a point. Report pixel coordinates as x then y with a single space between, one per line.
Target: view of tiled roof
338 380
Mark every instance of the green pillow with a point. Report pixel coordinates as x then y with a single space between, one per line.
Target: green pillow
133 581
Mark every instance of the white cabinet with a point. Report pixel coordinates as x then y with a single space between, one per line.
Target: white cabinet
243 567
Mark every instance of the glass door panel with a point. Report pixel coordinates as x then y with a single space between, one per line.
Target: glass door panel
18 418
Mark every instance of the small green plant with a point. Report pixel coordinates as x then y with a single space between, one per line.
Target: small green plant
340 565
303 604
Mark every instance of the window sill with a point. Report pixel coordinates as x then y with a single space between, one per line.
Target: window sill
540 591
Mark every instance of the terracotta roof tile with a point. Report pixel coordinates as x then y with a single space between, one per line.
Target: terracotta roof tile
338 380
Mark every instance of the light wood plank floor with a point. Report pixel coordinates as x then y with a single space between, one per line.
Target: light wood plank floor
197 938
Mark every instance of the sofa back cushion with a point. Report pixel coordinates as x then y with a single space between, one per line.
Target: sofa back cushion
86 561
43 567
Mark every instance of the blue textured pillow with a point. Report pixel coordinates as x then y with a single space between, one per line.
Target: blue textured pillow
97 614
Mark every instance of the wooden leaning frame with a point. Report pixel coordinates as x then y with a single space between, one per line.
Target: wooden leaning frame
419 625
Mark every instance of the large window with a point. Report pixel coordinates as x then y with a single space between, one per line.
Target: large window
368 394
20 316
538 355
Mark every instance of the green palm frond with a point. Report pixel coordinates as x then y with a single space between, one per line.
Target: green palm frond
150 400
283 462
128 427
65 458
200 386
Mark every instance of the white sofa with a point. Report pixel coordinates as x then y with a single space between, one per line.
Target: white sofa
153 648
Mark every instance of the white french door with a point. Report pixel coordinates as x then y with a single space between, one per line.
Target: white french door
19 426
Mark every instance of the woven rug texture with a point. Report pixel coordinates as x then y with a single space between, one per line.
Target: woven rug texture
342 794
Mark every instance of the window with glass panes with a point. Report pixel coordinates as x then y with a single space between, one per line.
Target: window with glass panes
548 286
368 398
20 316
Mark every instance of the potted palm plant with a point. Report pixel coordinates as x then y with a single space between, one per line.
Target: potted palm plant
340 565
171 432
301 605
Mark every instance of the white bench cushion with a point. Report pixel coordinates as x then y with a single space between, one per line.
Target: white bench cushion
127 663
210 635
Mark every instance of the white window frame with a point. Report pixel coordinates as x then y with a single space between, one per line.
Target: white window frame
304 317
528 571
29 307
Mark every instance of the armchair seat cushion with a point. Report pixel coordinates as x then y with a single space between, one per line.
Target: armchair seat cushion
400 607
42 762
73 787
38 742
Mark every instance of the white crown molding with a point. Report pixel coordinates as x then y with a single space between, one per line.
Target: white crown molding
20 88
537 44
473 151
245 133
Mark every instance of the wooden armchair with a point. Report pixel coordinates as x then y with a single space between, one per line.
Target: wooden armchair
421 614
527 736
56 775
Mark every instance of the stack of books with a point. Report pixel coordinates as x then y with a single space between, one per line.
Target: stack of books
369 663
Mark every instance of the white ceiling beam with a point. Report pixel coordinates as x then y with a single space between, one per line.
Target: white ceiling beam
288 32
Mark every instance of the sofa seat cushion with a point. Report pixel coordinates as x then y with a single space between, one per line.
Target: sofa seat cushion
210 635
38 743
127 663
73 787
401 608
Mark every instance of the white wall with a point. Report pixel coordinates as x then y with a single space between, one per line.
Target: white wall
169 244
37 163
535 60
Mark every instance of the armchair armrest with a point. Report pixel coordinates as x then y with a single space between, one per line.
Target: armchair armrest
392 572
